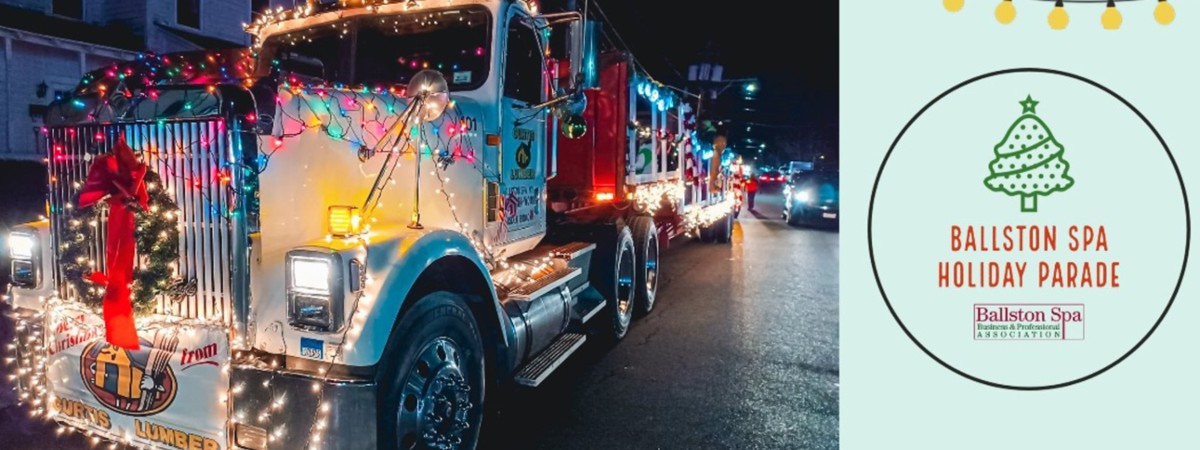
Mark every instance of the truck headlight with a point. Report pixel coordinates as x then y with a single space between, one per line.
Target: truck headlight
23 248
311 274
802 196
315 290
21 245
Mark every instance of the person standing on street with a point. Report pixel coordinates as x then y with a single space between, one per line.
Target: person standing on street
714 171
751 190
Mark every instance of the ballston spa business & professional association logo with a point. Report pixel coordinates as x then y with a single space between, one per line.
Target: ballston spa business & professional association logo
132 382
1027 229
1028 321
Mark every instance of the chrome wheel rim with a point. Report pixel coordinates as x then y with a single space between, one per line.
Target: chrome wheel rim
651 268
436 403
625 268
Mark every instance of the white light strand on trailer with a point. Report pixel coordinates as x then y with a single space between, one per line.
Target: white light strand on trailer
650 197
702 217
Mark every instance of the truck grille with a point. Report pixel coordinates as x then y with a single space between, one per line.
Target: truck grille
192 157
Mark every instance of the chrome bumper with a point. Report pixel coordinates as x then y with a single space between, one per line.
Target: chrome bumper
288 406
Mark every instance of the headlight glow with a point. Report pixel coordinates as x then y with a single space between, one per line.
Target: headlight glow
20 246
802 196
310 274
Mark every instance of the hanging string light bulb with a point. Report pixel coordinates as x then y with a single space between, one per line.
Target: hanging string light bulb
1164 13
1006 12
1058 16
1111 19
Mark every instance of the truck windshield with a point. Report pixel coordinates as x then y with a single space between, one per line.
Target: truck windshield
388 50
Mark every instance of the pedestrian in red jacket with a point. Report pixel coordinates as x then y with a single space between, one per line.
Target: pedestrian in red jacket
751 190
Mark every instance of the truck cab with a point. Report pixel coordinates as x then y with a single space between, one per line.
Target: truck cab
354 236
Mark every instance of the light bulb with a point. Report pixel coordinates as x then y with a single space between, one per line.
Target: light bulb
1006 12
1111 19
1164 13
1058 17
953 5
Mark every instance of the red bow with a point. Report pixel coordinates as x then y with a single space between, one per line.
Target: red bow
117 177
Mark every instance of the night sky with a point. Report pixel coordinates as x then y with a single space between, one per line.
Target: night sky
794 56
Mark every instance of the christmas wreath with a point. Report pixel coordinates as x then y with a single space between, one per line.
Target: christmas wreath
141 216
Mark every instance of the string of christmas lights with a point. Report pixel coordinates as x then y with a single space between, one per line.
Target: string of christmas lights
1110 19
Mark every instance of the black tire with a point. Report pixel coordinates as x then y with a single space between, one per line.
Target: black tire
612 275
646 263
435 363
724 230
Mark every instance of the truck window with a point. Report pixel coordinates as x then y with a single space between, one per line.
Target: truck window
389 50
523 65
321 53
454 42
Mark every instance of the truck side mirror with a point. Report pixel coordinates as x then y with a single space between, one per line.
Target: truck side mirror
573 126
430 87
570 113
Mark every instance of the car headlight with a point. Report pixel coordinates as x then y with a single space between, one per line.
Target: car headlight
315 290
803 196
23 248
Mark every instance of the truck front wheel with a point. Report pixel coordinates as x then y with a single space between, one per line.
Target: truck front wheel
432 395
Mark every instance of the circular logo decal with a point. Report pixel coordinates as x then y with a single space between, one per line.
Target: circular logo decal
130 382
524 156
1029 229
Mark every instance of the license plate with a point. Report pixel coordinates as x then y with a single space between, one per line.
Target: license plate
829 215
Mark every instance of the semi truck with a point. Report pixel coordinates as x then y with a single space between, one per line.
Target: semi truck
346 236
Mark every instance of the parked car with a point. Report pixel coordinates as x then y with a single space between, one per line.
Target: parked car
811 199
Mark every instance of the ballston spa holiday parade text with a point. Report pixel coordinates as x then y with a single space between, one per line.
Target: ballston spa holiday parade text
1033 240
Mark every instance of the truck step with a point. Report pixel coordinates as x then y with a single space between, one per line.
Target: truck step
546 362
573 250
544 284
586 307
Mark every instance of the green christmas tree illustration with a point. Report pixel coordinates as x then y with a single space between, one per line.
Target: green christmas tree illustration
1029 160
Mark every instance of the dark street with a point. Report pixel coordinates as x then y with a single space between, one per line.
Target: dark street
741 352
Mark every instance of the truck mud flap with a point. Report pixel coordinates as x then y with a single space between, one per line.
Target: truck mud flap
170 393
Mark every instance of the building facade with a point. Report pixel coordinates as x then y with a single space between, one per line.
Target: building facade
47 45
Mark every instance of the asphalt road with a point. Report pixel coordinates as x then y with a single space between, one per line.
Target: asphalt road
741 352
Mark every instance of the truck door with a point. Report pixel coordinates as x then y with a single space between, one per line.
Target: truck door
522 210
